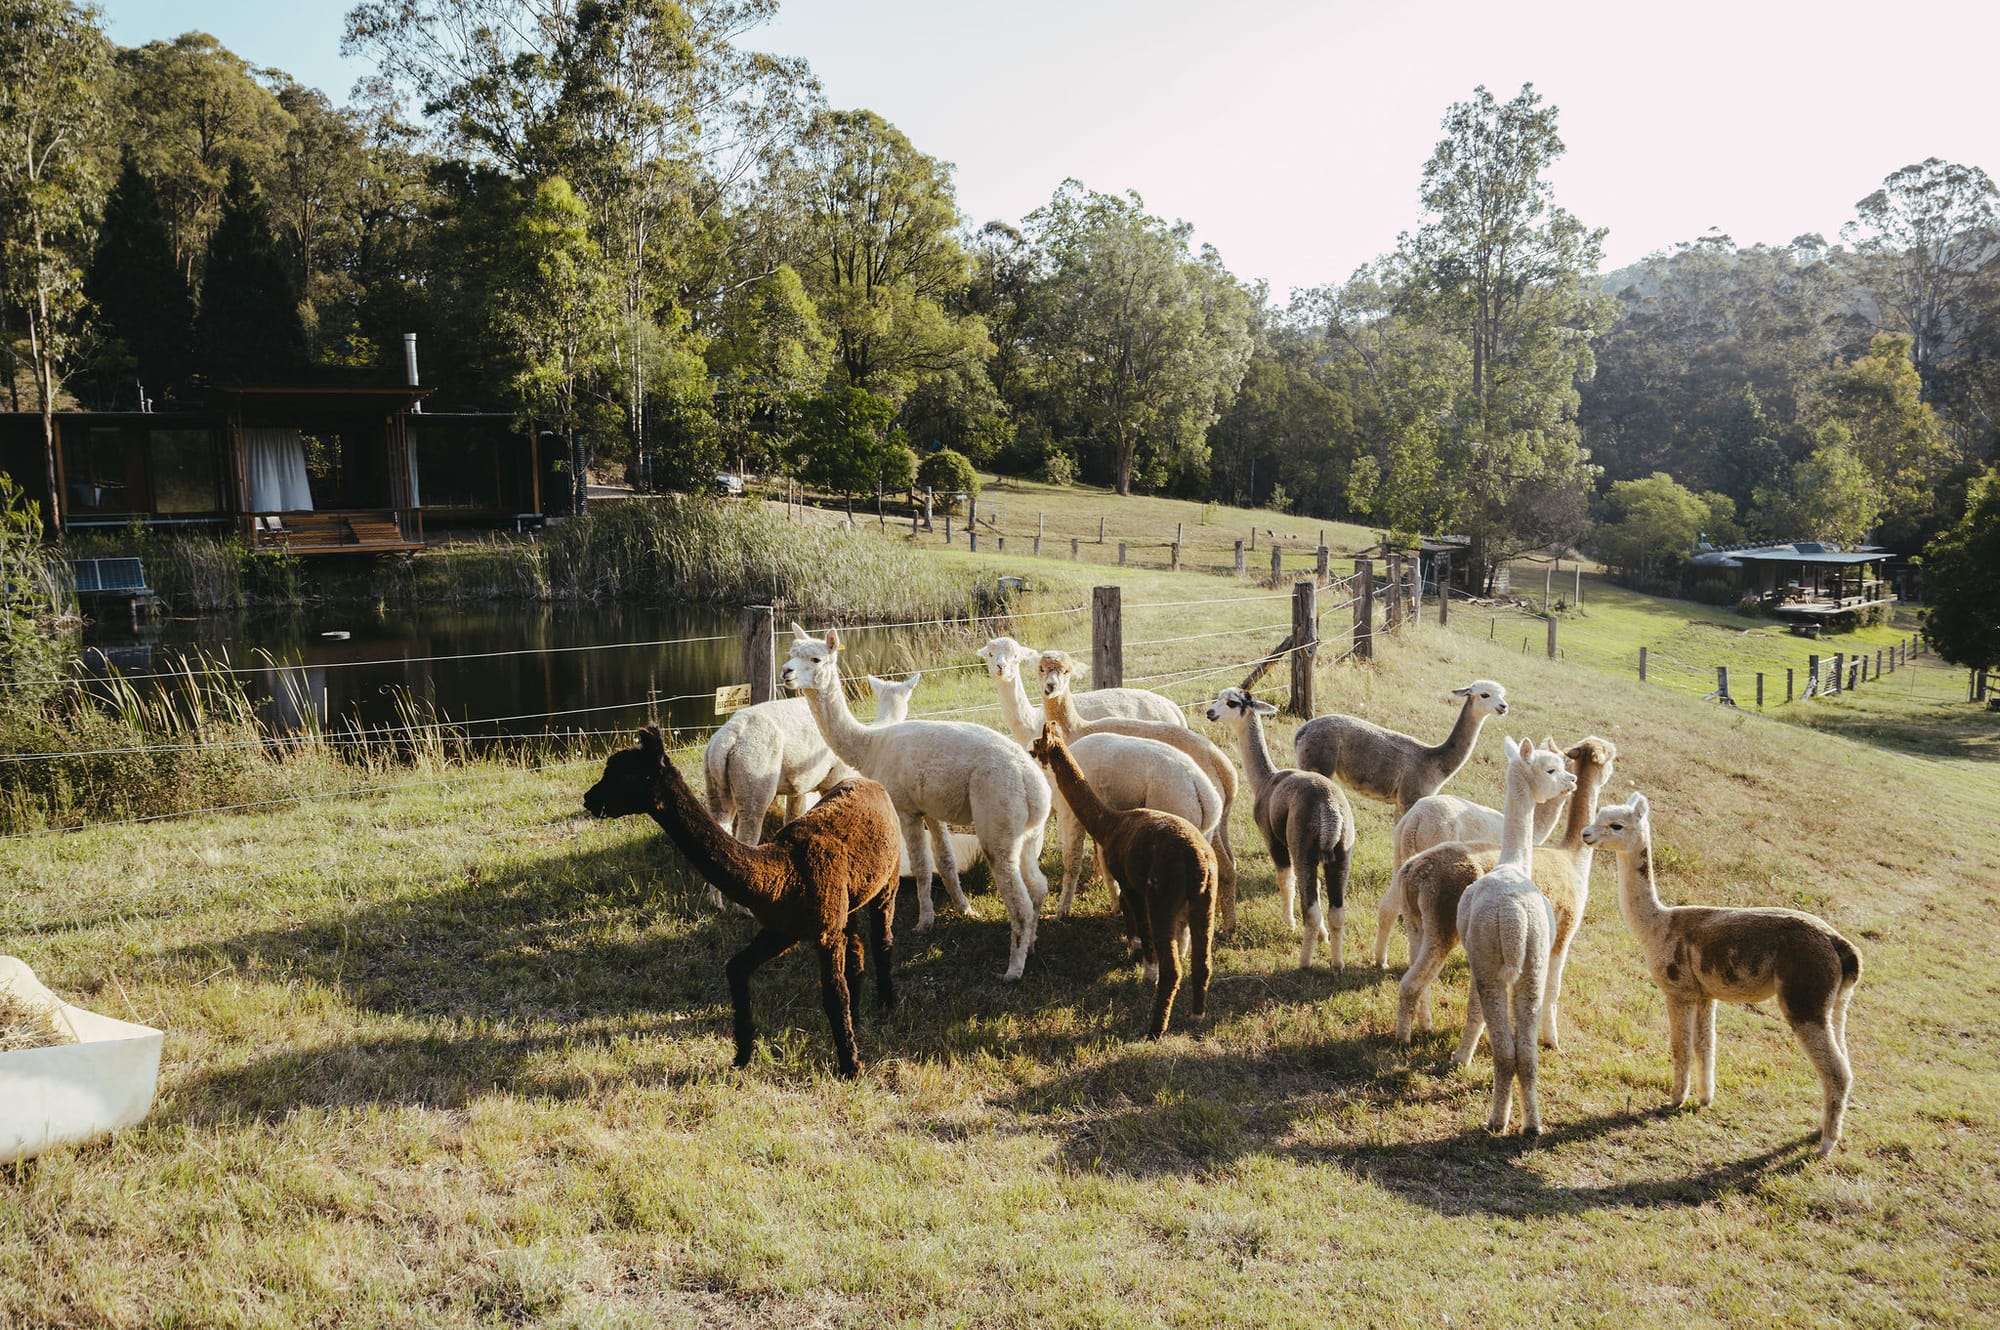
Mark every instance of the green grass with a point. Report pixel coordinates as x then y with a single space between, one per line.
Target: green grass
451 1055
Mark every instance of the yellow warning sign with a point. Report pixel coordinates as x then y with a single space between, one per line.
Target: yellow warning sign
731 697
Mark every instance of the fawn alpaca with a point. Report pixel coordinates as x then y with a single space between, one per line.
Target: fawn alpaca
811 882
1703 954
1391 766
1165 872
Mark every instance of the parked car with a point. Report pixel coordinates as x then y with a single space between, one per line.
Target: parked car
729 484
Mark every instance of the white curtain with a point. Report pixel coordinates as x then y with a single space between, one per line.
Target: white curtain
277 466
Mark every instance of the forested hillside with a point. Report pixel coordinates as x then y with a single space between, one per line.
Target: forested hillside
623 220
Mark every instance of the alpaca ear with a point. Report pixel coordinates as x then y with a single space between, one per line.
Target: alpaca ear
798 634
1549 742
914 679
1522 748
1640 808
833 639
1462 692
650 742
1263 708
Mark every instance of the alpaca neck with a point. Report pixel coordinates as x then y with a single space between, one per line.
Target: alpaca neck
1457 745
728 864
1546 815
1076 792
1517 817
1257 762
1024 719
1582 807
1062 713
1638 899
851 741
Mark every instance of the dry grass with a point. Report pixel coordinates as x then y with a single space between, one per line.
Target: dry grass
26 1024
455 1056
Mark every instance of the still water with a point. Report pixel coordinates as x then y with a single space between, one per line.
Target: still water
497 671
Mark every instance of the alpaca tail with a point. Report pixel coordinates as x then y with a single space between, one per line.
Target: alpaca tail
1850 961
715 779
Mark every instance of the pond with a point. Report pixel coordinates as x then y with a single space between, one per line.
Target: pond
504 671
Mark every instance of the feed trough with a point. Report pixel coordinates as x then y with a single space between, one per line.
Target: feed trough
67 1094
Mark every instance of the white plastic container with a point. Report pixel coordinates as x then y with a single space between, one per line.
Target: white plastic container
72 1093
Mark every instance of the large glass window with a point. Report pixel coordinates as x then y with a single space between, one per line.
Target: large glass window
94 469
184 479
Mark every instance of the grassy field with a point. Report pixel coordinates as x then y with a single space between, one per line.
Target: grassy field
453 1055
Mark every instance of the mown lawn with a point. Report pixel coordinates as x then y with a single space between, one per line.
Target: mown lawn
455 1055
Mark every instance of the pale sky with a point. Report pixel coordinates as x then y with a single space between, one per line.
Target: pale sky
1293 134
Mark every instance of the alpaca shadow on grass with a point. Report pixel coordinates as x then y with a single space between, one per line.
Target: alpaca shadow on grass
557 977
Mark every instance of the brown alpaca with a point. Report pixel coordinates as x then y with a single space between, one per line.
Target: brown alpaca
811 882
1700 955
1431 883
1058 676
1165 873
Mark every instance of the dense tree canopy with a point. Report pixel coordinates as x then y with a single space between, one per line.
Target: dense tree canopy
618 218
1962 575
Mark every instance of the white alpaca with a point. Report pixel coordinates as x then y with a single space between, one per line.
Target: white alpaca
1057 674
941 771
1006 659
774 751
1507 927
1431 884
1700 955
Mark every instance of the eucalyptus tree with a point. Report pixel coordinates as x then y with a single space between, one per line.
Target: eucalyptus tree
1923 237
1962 581
653 112
1499 267
189 108
873 235
54 62
247 327
1142 342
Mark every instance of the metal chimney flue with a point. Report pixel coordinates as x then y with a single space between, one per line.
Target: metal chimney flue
410 366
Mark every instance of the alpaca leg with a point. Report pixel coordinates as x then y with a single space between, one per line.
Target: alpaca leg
1073 839
1704 1052
1225 876
1011 883
947 864
856 966
754 797
1680 1030
1031 863
1838 1026
1201 927
1475 1026
1336 916
917 846
1386 915
1527 1051
882 942
1836 1078
1281 867
1166 948
1492 996
1558 957
833 992
1414 993
766 945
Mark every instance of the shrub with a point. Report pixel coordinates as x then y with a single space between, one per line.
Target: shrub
1058 467
37 605
948 472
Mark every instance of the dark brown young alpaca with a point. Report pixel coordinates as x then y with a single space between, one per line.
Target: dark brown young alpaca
811 882
1165 873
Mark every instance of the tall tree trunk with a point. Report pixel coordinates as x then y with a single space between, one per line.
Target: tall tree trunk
45 373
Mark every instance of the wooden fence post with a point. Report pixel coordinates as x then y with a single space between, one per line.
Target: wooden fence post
1107 637
760 665
1174 559
1642 664
1788 683
1239 558
1444 591
1180 533
972 538
1760 690
1364 609
1100 528
1552 637
1812 674
1038 544
1253 540
1878 663
1305 641
947 526
1392 615
1839 672
1121 554
1000 544
971 511
1722 684
1319 563
1073 544
1277 566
